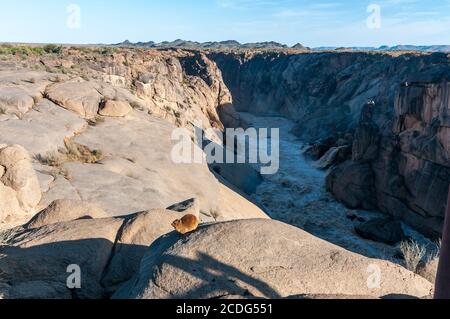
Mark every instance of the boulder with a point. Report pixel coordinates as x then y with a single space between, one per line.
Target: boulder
9 156
115 108
230 118
15 100
20 191
384 230
8 202
233 259
65 210
353 184
82 98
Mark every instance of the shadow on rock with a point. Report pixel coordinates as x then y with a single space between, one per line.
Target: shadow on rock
42 271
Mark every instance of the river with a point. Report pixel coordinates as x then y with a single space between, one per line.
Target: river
296 195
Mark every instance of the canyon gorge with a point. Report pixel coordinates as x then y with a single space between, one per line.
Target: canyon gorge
86 176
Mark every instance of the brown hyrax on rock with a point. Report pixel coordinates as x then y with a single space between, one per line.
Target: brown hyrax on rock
187 224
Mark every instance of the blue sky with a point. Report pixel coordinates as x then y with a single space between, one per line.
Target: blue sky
312 23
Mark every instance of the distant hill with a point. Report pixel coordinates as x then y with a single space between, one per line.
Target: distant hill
430 48
233 44
229 44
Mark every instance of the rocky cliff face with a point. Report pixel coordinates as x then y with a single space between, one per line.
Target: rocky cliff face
179 86
323 92
407 164
400 156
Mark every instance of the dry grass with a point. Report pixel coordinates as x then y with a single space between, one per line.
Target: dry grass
80 153
53 159
36 99
428 268
413 253
74 153
214 213
436 252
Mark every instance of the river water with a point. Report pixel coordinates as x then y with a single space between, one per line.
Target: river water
296 195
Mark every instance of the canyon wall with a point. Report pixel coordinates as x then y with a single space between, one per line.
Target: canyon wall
394 107
94 163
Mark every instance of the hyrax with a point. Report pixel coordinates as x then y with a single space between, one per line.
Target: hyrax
187 224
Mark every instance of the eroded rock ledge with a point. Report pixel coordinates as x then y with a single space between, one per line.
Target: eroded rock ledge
137 256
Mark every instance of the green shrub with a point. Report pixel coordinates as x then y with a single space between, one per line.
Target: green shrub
21 50
53 48
37 50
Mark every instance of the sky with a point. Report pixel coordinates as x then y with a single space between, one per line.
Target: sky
313 23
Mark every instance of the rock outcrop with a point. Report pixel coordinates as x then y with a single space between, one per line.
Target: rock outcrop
118 111
137 233
382 230
15 100
409 160
82 98
233 259
65 210
115 108
353 184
